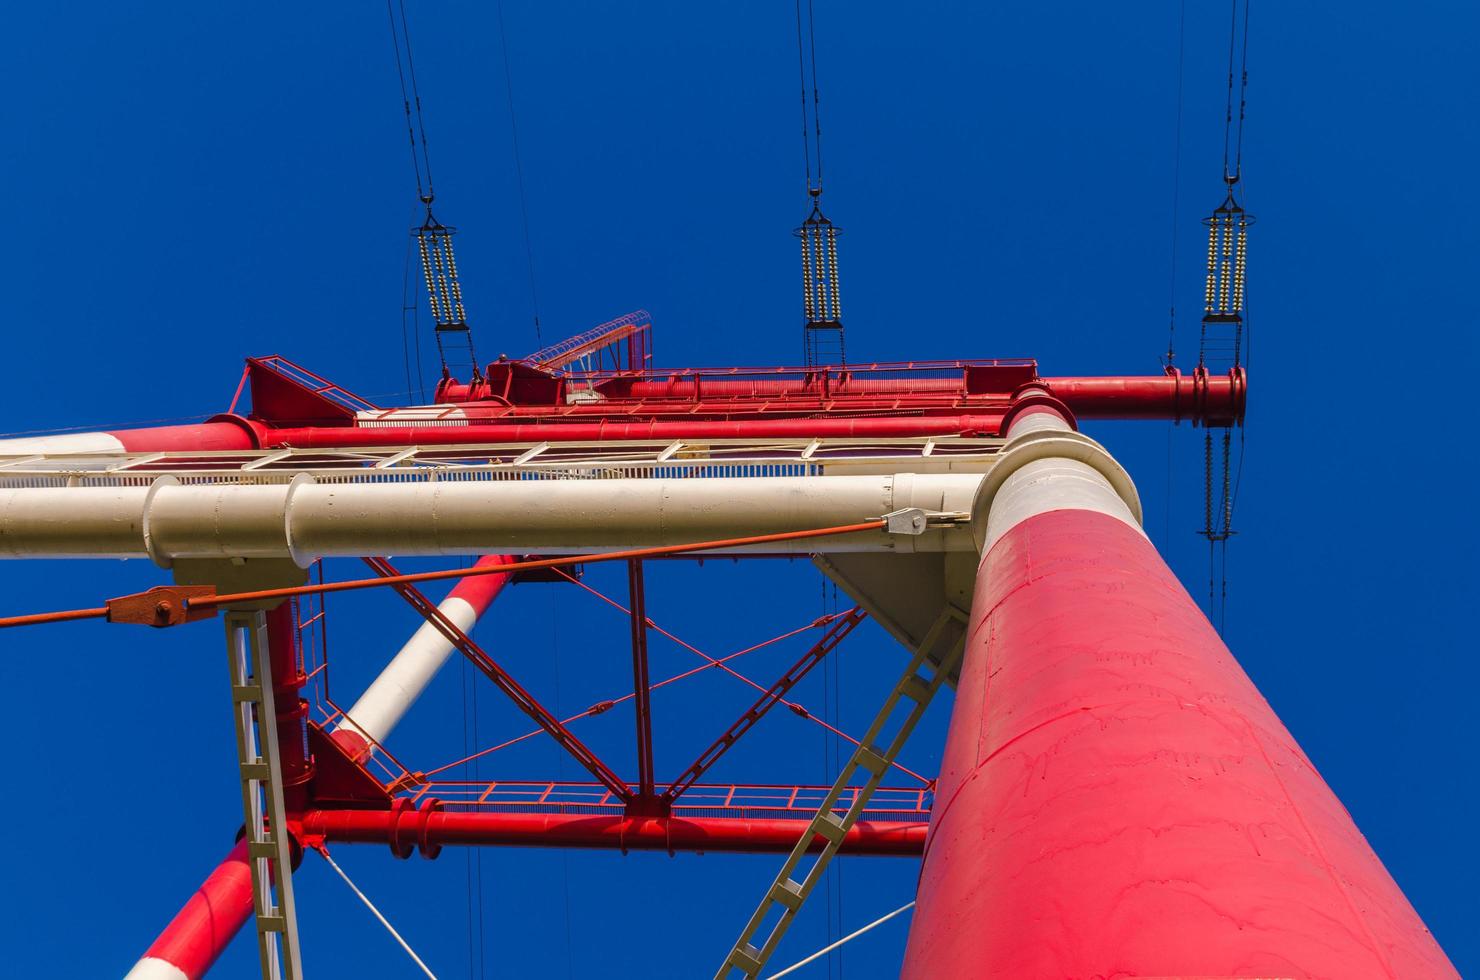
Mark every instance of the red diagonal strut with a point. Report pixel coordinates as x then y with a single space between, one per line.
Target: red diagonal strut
772 697
501 678
640 685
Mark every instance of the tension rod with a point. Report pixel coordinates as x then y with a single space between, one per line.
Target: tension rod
170 605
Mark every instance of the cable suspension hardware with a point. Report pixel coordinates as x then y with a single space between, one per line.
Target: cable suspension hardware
444 292
822 314
1221 343
433 239
823 331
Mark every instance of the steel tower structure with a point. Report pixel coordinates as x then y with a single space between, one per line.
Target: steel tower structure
1115 797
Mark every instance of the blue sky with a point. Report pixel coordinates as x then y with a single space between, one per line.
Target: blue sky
193 183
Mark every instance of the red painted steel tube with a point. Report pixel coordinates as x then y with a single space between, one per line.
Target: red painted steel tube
1116 799
236 434
205 926
1220 399
291 709
604 831
984 424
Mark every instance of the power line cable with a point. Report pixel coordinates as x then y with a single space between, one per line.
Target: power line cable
802 75
421 128
405 99
816 96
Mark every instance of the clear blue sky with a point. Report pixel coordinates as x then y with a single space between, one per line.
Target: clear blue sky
192 183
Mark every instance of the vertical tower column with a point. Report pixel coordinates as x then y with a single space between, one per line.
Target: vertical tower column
1116 799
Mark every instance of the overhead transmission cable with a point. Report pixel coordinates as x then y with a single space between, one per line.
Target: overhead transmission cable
1221 340
822 329
433 239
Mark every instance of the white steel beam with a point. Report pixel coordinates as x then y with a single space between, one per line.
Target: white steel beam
305 521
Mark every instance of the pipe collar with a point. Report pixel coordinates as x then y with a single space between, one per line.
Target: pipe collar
1033 446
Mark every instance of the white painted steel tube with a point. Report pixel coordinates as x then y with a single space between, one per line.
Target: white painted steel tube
404 679
306 520
1047 466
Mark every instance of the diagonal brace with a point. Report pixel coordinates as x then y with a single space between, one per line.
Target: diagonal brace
504 681
772 697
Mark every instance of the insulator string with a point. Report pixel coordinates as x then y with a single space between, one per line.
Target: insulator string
1224 294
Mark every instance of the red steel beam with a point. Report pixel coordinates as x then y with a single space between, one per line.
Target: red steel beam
772 697
428 829
205 926
641 687
505 682
1196 398
292 711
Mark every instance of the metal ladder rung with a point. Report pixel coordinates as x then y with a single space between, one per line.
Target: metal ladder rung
271 923
870 758
747 959
262 848
256 770
917 689
829 826
788 893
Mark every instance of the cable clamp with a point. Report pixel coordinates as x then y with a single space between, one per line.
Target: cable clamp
163 605
917 520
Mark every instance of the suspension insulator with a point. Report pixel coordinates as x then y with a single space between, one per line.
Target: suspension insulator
809 310
821 295
836 310
444 293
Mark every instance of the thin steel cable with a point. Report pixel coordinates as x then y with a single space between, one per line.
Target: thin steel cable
324 853
212 601
795 707
534 296
105 426
816 96
1228 105
1238 158
420 118
802 75
603 706
405 100
848 938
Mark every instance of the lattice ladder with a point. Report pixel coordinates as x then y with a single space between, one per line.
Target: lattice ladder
932 663
262 795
